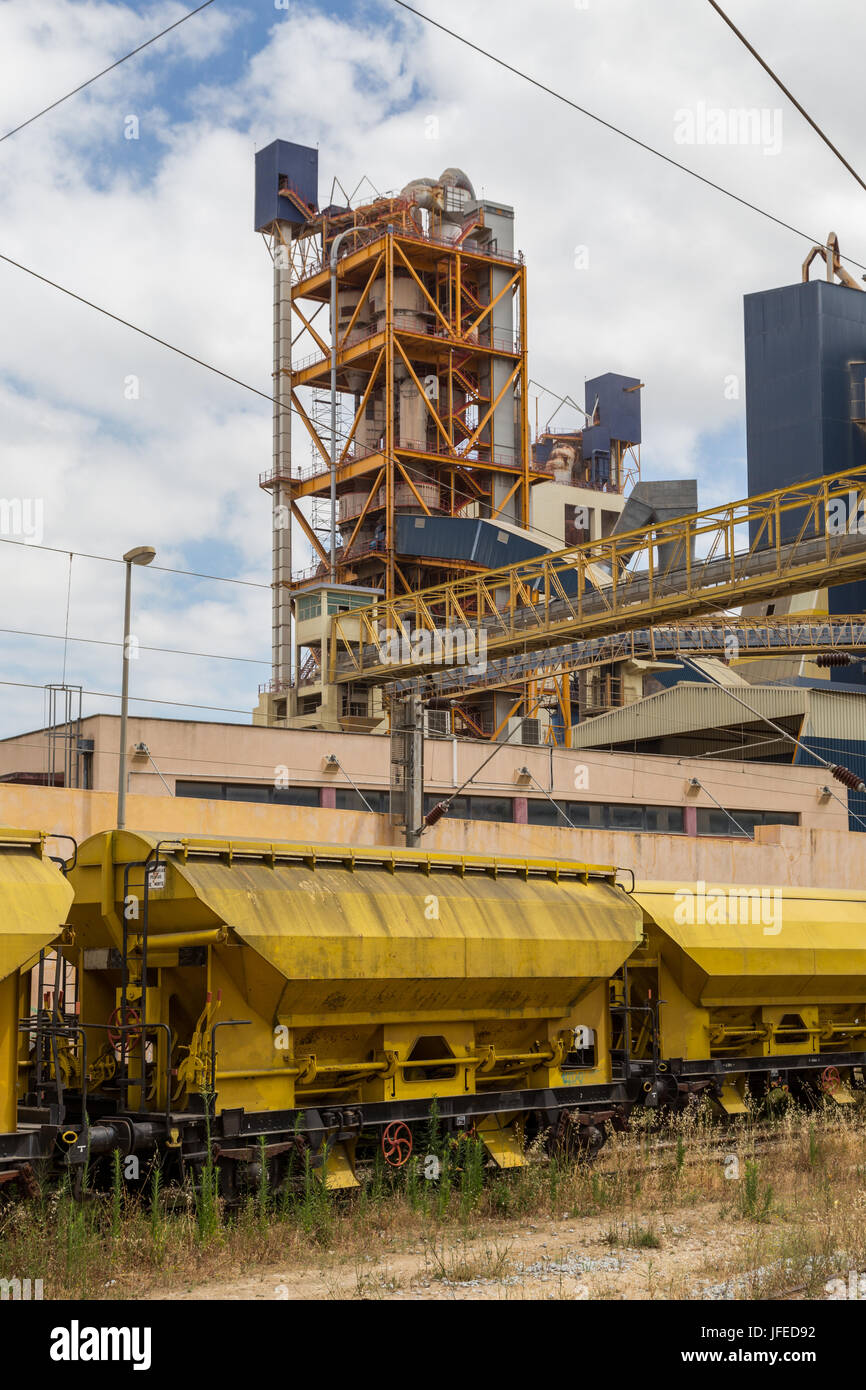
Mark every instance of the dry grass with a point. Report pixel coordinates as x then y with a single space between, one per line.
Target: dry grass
792 1193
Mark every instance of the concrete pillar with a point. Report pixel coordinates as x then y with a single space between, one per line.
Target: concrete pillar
521 810
328 798
690 820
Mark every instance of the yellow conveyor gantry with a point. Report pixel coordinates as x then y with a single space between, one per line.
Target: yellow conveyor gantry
803 537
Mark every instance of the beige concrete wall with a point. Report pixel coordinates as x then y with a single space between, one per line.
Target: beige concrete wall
549 501
783 856
246 753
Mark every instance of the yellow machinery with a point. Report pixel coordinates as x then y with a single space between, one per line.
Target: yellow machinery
294 977
743 973
34 900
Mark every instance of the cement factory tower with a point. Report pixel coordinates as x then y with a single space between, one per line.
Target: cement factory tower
400 349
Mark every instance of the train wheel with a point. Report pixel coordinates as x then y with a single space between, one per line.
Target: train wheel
397 1144
830 1080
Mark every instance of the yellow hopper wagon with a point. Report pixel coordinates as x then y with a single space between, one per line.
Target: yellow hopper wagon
743 990
34 901
281 998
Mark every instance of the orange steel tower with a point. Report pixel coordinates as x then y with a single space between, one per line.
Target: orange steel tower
427 356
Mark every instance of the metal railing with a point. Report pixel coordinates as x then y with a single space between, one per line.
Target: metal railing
732 638
783 542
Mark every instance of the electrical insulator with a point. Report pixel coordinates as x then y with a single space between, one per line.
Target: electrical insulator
848 779
834 659
436 814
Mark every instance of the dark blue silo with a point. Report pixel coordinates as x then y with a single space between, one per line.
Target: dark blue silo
805 370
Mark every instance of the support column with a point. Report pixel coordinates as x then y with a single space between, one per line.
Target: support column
409 721
281 647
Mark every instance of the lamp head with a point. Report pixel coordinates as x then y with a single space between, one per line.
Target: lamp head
140 555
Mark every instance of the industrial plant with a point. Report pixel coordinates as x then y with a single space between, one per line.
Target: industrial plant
523 699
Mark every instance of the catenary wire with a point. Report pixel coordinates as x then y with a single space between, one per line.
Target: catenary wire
617 130
95 78
104 642
138 699
789 94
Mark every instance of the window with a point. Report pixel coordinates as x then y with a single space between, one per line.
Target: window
296 796
341 603
247 792
250 791
596 815
309 606
211 791
347 799
499 808
712 821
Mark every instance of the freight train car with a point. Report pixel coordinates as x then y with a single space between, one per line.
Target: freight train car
248 1001
320 996
34 901
743 991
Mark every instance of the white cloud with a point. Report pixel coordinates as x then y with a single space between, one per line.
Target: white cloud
159 231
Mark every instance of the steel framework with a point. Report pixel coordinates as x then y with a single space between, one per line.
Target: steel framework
713 560
419 338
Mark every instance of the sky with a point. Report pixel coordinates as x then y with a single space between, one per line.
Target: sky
109 441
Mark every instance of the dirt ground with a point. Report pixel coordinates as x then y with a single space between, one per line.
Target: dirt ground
586 1258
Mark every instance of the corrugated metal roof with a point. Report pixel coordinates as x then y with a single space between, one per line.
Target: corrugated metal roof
685 708
690 707
837 714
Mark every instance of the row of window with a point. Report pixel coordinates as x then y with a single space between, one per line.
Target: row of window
584 815
310 605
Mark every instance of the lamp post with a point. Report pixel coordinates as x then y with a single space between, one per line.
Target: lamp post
140 555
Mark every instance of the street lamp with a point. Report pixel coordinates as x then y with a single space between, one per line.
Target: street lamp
140 555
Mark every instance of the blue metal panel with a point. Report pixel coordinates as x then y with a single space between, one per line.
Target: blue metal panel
618 406
279 163
464 540
850 753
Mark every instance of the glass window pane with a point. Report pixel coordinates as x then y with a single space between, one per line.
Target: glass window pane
349 800
240 792
296 796
664 820
540 812
499 808
213 791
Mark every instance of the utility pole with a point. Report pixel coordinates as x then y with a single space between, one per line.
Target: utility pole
407 765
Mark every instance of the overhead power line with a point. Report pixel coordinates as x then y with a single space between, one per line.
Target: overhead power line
113 560
789 94
104 642
136 699
95 78
617 130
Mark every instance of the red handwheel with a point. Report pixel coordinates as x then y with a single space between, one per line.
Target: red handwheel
132 1036
830 1079
397 1144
